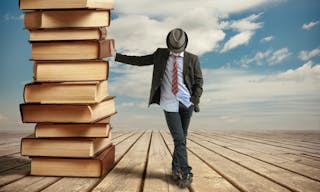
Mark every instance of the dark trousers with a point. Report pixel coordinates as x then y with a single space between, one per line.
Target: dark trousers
178 123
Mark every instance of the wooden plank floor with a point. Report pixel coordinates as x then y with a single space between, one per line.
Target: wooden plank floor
222 161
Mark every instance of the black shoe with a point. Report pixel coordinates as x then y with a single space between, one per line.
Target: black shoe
176 175
186 180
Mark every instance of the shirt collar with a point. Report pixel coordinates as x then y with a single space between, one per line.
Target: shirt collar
180 55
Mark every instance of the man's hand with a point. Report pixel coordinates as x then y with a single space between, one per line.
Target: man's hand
196 108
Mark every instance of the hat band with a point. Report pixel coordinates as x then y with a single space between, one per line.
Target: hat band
180 46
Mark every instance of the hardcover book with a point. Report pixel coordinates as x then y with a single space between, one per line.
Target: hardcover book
66 4
66 18
95 167
66 92
68 34
72 50
67 113
82 70
63 147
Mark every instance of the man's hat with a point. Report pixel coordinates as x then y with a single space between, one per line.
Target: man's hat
177 40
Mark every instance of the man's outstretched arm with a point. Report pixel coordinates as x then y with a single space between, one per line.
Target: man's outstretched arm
135 60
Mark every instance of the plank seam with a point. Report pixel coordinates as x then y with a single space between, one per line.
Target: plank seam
288 142
281 140
124 139
238 163
109 170
309 156
15 179
14 167
121 134
49 184
272 144
115 163
144 174
292 171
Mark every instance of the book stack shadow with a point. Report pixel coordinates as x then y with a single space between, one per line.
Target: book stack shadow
68 98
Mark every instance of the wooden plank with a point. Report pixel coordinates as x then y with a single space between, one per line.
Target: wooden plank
127 175
243 178
14 174
262 154
11 161
205 178
311 152
281 155
68 184
31 183
283 138
158 176
275 174
303 136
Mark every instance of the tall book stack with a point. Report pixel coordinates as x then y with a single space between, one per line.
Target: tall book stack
68 99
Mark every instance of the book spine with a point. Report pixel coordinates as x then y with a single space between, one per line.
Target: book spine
107 163
102 32
105 48
33 19
108 67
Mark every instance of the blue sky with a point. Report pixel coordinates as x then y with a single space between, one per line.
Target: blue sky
261 66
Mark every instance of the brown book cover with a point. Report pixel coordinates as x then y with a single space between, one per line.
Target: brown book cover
50 130
65 92
82 70
63 147
66 19
95 167
67 113
72 50
65 4
67 34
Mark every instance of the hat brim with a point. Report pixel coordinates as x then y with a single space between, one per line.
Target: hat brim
179 49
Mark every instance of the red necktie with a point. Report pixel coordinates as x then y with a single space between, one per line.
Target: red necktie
175 77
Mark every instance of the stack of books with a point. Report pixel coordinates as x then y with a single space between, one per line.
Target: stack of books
68 99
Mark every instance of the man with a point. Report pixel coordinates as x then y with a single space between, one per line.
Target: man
176 86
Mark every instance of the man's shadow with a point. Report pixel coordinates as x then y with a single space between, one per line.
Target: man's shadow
13 164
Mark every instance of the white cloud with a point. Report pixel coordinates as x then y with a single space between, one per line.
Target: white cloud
131 81
246 28
242 38
306 55
278 56
266 39
245 24
308 26
140 30
268 57
258 59
308 71
166 8
227 85
234 98
142 35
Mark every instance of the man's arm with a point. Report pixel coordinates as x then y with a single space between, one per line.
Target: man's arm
197 86
135 60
